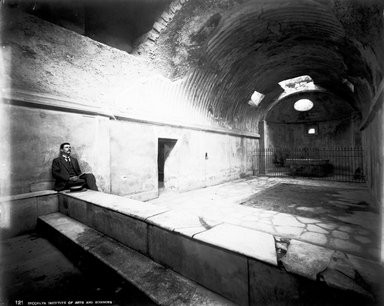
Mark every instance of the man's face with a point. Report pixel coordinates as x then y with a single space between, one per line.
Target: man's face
66 149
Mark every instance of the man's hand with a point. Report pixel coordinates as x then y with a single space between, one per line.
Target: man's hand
73 178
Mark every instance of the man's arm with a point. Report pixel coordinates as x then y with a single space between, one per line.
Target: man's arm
56 171
76 166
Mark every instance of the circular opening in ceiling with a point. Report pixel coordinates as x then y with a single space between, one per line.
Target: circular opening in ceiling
303 105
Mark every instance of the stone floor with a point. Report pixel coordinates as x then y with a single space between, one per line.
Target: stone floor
34 272
339 216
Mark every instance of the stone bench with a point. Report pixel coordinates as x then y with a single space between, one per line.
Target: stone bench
19 213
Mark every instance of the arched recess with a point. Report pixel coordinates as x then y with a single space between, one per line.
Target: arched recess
330 123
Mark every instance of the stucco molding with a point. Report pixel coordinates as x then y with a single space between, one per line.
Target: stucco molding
46 101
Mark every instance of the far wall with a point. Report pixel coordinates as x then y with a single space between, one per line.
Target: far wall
331 134
326 144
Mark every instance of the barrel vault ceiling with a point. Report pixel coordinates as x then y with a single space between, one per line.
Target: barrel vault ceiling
222 51
226 50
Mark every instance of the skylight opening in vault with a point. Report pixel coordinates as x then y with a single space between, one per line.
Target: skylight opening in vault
301 83
303 105
256 98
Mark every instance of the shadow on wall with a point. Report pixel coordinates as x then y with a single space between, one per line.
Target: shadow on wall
165 147
34 140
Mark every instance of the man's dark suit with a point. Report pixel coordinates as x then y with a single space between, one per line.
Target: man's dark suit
60 171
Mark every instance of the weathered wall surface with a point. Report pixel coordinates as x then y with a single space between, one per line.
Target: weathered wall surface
31 139
45 59
373 142
331 134
337 141
236 47
121 154
202 159
62 86
198 158
133 159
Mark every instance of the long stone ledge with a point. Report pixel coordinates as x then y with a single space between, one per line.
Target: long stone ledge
161 285
27 195
132 208
217 255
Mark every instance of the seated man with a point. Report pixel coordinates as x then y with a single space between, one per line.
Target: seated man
66 171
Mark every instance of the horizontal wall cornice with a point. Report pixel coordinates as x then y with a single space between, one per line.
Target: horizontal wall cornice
46 101
50 102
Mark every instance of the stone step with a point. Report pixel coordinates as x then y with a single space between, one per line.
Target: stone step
161 285
245 266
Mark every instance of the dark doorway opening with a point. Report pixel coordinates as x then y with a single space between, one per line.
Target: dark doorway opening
165 146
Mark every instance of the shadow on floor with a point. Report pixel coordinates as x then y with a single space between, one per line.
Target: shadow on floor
34 272
310 201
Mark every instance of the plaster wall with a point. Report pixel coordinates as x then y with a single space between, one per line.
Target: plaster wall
31 138
198 158
121 154
373 142
133 159
19 213
334 142
202 159
331 134
53 76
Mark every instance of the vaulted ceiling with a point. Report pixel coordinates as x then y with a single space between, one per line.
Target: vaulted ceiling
224 50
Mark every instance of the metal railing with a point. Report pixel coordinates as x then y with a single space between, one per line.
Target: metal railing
335 164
